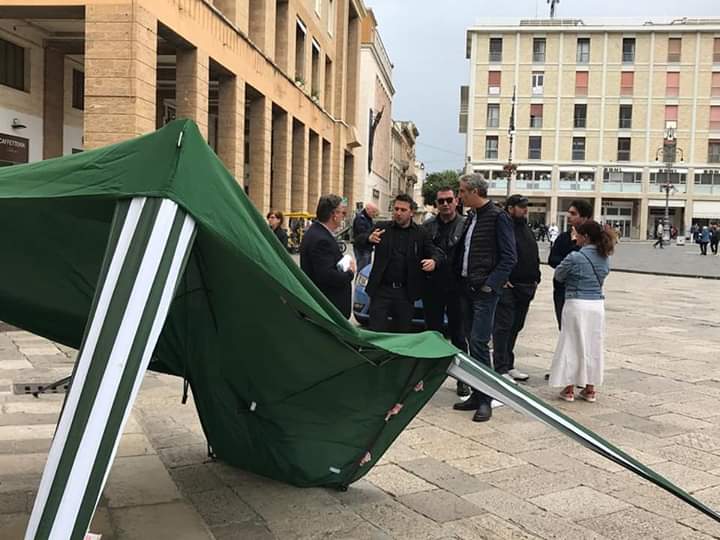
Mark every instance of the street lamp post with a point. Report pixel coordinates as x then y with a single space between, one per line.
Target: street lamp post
669 152
510 167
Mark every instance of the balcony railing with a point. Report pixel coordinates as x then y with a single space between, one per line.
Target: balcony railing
621 187
537 185
707 189
572 185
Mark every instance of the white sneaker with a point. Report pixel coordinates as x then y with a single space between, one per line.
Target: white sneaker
508 377
518 375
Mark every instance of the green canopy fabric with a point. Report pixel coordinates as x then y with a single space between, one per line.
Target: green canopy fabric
148 251
285 386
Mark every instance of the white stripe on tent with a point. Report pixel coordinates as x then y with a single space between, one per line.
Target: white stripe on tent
87 451
83 363
184 241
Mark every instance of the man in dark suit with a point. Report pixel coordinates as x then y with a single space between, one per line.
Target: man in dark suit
404 253
320 254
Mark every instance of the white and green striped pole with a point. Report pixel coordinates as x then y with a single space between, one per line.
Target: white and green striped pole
148 247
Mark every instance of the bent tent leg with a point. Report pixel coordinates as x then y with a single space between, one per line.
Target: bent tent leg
148 246
468 370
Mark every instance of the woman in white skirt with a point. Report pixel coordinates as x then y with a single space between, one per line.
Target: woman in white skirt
578 359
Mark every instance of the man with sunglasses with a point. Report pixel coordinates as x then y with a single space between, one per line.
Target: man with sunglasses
442 294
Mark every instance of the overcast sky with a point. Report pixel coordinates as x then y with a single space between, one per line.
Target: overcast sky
426 42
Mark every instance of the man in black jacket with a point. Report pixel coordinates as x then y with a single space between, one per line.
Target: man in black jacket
320 254
404 254
442 294
362 224
579 212
484 262
517 293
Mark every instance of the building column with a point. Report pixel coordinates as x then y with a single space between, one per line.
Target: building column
554 210
261 29
597 208
299 168
314 165
687 215
282 137
120 73
644 215
325 175
192 80
53 103
231 126
260 136
237 12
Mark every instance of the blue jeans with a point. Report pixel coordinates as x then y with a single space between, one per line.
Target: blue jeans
478 310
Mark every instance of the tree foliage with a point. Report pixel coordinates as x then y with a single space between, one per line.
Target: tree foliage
440 180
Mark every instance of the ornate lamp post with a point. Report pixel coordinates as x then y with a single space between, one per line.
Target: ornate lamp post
510 168
669 152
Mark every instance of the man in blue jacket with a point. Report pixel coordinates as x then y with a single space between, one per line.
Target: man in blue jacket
484 260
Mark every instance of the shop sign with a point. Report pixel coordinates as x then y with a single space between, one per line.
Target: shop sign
14 149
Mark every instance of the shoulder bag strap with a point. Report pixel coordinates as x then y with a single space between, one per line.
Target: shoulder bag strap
593 268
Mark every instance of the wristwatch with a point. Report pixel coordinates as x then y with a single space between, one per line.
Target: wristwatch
486 289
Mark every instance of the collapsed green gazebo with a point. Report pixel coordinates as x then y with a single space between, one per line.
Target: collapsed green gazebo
148 254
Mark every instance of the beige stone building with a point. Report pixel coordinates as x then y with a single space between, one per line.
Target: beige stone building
594 103
273 83
403 176
375 117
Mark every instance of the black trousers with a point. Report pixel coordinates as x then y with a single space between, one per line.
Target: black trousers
559 301
436 303
714 247
391 303
703 248
510 315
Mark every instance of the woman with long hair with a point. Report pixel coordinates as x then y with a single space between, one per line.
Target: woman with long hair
578 359
275 219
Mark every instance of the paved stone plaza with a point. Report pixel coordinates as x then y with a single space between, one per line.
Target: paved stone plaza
445 477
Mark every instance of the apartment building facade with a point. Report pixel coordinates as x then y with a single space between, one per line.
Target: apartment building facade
272 83
593 104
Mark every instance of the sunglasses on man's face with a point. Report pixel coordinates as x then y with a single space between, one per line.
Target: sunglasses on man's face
449 200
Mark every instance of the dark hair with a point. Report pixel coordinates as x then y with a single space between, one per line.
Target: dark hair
603 238
404 197
278 214
583 207
326 206
446 188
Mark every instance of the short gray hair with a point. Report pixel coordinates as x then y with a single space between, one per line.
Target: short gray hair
477 182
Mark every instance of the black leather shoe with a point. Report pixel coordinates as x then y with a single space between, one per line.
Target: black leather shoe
470 404
462 389
483 413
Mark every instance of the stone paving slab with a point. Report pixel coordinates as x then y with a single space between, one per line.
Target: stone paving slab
446 477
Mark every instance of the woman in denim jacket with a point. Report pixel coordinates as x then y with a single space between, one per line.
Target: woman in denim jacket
578 359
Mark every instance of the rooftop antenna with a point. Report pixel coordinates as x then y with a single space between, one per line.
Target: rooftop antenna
552 7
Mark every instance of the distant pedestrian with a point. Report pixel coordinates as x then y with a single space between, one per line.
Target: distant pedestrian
441 297
704 239
362 224
553 233
484 262
578 359
714 238
659 231
404 255
518 292
320 256
275 219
